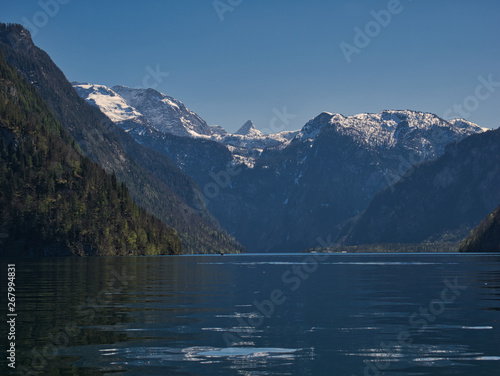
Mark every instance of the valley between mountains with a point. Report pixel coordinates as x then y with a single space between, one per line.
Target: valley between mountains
398 176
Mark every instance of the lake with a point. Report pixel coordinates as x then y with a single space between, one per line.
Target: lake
279 314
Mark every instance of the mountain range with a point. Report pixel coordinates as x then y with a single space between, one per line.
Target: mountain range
398 176
281 192
154 182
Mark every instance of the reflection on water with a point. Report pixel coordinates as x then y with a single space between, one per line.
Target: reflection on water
394 314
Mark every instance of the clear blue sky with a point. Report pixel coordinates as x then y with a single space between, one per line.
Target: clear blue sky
265 55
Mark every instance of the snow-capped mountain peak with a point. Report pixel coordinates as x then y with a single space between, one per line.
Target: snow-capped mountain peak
465 124
164 113
248 129
413 130
108 101
147 111
314 126
218 130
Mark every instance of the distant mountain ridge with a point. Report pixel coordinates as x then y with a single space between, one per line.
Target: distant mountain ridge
292 187
422 132
248 129
165 113
150 109
147 111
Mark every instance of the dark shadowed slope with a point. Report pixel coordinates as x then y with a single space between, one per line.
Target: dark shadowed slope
485 237
440 200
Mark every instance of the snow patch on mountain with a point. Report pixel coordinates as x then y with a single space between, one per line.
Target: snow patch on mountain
248 142
109 102
465 124
164 113
413 130
147 111
218 130
248 129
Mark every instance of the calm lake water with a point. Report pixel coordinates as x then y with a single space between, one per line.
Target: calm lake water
343 314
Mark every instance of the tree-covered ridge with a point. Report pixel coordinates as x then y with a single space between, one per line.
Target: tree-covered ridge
54 200
153 181
485 237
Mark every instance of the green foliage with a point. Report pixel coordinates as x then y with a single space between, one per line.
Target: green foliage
485 237
54 200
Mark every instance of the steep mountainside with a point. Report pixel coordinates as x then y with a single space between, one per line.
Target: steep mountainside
55 201
282 191
153 180
485 237
437 201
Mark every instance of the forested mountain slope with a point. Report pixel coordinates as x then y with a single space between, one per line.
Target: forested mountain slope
154 182
485 237
54 200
